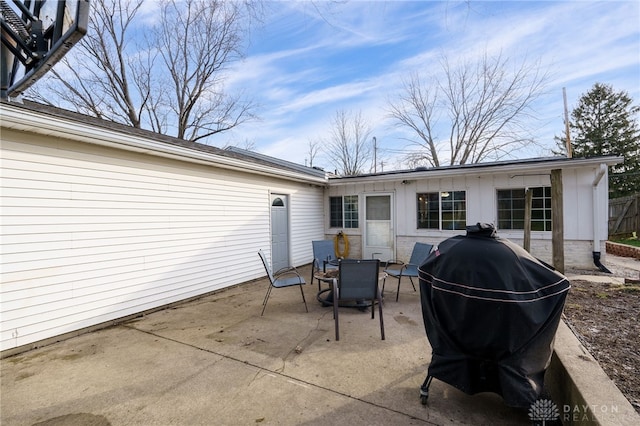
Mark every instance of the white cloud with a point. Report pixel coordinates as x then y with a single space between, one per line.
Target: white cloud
355 54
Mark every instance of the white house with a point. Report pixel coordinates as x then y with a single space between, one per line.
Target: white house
101 221
395 209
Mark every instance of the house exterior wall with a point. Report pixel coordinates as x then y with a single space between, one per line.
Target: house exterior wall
481 188
91 234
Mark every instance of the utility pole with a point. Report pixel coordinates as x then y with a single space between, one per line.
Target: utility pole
375 154
566 123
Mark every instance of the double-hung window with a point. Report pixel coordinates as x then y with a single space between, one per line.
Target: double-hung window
512 204
343 211
442 210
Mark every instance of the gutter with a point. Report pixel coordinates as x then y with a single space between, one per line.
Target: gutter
532 166
596 219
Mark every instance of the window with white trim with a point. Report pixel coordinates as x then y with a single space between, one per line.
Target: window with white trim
512 204
343 211
442 210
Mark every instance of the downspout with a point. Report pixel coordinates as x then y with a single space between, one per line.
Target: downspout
596 220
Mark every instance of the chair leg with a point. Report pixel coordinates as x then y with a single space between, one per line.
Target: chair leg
398 292
303 299
335 308
313 272
381 319
412 284
335 318
266 298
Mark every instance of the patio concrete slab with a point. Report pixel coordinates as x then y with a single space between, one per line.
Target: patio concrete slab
216 361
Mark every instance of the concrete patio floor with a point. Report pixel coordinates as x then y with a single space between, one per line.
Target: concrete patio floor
216 361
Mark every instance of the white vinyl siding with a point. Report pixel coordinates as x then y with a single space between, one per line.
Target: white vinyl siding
480 188
306 207
91 234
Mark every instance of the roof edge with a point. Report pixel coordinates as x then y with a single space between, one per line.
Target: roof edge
65 125
521 166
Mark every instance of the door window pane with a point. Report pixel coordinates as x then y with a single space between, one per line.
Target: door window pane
378 208
378 217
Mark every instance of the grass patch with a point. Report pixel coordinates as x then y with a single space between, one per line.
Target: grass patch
630 241
626 288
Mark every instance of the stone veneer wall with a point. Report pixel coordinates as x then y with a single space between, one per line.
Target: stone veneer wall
623 250
355 244
577 254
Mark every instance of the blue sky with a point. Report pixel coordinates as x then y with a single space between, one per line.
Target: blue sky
309 59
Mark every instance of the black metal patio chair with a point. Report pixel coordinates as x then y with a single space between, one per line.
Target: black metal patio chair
357 281
285 277
398 269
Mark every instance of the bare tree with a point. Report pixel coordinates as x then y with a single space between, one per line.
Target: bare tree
349 145
315 146
197 41
172 78
480 108
95 77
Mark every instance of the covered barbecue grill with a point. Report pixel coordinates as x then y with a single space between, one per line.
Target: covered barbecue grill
491 312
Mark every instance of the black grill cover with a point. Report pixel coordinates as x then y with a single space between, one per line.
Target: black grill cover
491 312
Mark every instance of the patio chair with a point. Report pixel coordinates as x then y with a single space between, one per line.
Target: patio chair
324 258
397 269
285 277
357 281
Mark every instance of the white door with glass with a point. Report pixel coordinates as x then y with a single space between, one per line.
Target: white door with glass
379 237
279 231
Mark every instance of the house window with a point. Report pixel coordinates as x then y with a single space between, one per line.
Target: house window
511 207
442 210
343 211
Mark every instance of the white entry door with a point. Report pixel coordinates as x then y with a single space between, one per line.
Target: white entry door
379 233
279 231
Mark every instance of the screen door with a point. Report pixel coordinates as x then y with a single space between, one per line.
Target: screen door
379 232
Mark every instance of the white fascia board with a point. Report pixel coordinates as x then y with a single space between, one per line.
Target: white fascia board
518 168
34 122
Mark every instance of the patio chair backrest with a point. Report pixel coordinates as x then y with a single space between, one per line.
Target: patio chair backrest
420 253
358 279
265 262
323 250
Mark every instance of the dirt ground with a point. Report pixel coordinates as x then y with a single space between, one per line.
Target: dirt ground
606 319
